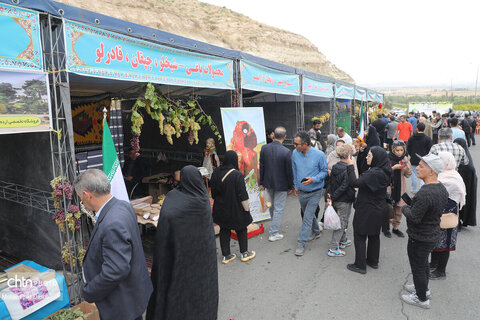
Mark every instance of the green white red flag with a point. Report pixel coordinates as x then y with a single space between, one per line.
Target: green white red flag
111 165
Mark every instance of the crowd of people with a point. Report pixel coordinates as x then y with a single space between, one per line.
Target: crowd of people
369 177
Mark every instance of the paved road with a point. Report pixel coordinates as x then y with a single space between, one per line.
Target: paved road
279 285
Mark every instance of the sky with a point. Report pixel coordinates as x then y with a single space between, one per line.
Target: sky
383 43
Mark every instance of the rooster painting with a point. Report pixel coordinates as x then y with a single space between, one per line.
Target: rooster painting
243 142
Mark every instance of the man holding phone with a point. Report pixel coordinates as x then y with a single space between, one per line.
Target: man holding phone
309 171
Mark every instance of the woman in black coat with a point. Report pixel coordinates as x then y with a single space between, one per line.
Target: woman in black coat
370 207
468 214
184 270
230 208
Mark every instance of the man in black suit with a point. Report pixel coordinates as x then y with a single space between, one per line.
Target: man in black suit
277 178
115 273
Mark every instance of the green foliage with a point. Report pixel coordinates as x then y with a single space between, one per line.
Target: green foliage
174 117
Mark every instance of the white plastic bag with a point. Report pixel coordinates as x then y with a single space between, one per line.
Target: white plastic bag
331 219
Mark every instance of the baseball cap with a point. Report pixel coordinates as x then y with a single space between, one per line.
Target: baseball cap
433 161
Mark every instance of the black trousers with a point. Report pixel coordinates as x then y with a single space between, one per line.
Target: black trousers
468 138
366 252
439 260
435 138
225 234
418 252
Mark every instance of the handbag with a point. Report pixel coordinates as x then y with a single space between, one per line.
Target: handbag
391 210
449 220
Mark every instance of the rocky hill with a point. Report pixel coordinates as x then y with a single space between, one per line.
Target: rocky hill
219 26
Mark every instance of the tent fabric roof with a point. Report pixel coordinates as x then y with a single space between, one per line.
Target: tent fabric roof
155 35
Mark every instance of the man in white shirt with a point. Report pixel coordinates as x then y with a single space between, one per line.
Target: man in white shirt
341 134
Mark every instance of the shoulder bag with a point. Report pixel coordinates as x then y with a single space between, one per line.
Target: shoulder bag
449 220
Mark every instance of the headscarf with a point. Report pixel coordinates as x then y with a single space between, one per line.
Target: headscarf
230 161
192 184
451 179
378 176
372 138
396 174
331 143
463 144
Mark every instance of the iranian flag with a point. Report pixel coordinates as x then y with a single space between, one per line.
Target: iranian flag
361 132
111 165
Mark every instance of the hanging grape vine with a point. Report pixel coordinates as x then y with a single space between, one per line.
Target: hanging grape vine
174 117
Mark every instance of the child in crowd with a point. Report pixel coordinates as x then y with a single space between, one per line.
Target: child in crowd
341 195
401 169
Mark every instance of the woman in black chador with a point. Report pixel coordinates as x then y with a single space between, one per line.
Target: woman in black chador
468 214
184 271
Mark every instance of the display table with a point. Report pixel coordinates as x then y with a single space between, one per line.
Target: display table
52 307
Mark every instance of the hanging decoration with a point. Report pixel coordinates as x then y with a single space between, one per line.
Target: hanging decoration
323 119
67 219
174 117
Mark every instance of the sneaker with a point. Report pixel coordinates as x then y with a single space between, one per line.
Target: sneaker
229 258
346 243
414 301
300 249
411 289
320 226
437 275
314 236
335 253
371 265
387 233
249 255
398 233
275 237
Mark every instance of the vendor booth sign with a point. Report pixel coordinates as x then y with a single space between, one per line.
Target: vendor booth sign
100 53
317 88
24 102
21 48
344 92
244 132
360 95
263 79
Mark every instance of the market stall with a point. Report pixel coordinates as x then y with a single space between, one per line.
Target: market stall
318 96
359 103
80 62
343 106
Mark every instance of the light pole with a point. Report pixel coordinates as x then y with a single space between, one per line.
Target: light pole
476 83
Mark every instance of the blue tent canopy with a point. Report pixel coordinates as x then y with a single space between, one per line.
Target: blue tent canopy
150 34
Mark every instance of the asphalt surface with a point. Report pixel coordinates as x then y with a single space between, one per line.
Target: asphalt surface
279 285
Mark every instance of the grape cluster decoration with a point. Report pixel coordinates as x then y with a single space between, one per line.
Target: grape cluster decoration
174 117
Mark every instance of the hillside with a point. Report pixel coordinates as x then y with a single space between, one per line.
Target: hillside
219 26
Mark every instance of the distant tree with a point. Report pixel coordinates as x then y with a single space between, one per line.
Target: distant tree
8 95
33 91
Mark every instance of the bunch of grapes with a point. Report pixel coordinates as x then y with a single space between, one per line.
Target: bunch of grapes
59 218
191 138
135 142
81 255
68 190
160 122
169 131
66 255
